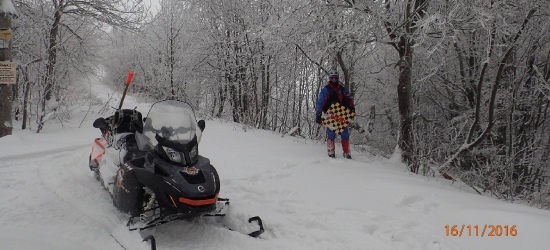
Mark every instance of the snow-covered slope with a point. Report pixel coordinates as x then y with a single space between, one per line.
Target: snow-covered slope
50 200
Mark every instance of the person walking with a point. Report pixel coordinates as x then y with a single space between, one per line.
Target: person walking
331 93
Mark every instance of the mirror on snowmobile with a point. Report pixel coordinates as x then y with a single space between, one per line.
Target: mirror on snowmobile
100 123
202 124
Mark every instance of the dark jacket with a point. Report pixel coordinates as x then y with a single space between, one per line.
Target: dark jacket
333 92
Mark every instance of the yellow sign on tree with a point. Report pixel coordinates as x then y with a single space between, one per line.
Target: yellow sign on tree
6 34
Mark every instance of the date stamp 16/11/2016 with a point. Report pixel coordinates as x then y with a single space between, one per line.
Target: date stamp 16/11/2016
486 230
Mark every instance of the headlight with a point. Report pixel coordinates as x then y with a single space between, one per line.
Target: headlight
174 155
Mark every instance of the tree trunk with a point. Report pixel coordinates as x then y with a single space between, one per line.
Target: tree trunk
404 96
222 93
6 96
234 102
414 11
172 64
266 78
27 84
52 60
5 110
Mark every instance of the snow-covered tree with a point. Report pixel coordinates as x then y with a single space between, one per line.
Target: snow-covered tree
61 25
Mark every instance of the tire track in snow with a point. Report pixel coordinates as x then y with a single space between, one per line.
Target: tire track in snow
43 153
73 183
54 189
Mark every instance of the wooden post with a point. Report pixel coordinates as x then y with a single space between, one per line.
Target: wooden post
7 68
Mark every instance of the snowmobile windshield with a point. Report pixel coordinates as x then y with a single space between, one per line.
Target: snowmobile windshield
172 120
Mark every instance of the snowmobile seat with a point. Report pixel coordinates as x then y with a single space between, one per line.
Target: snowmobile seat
125 120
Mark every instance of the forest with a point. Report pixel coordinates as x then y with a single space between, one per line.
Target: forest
458 88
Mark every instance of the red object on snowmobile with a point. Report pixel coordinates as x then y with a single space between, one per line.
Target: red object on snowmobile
130 77
98 150
128 81
198 202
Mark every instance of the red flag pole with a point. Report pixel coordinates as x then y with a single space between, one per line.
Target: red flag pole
128 81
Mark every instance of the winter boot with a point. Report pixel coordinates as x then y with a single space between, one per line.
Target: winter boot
330 148
345 148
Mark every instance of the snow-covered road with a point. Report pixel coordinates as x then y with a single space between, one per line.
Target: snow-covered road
50 200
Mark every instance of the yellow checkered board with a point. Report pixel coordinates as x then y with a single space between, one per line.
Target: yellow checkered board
337 118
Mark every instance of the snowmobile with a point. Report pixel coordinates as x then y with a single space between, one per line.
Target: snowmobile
152 167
